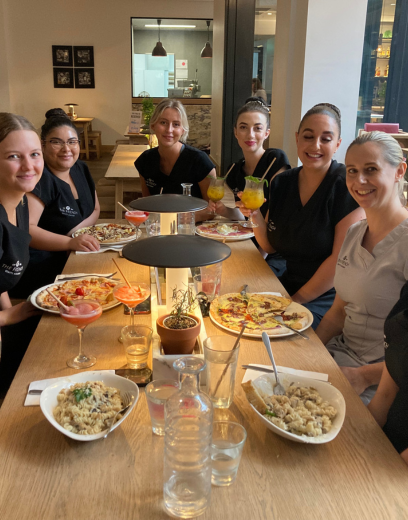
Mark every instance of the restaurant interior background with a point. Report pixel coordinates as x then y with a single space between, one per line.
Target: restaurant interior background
297 47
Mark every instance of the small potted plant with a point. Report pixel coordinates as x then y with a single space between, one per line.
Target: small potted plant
147 109
178 330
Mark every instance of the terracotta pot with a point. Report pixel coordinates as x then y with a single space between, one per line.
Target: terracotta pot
178 341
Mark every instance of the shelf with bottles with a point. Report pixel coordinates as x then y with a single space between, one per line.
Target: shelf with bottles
379 73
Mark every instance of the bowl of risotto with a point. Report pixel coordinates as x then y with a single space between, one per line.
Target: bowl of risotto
83 406
310 412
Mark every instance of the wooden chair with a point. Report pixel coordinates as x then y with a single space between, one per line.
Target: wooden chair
95 142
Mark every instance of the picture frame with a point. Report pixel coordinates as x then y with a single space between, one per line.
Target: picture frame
63 77
62 55
84 78
83 56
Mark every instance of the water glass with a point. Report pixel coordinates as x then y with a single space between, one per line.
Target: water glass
137 340
221 361
227 443
153 225
211 273
208 287
186 223
157 393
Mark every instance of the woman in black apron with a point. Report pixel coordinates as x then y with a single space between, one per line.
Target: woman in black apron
310 211
21 166
62 202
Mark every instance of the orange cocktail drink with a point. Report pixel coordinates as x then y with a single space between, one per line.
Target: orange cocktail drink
253 197
131 296
215 191
136 217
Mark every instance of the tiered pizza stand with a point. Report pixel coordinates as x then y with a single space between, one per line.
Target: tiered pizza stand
177 253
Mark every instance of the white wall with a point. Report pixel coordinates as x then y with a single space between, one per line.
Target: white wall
4 77
318 52
30 28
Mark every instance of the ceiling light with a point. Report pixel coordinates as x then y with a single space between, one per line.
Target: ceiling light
159 50
207 50
173 26
269 14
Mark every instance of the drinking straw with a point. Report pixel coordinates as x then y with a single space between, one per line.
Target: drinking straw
65 307
120 204
225 178
267 170
230 356
161 191
121 272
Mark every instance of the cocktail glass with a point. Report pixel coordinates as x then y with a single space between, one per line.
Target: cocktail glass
215 190
131 296
252 197
81 313
135 218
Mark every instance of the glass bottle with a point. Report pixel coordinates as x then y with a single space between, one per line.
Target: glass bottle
186 221
187 444
186 188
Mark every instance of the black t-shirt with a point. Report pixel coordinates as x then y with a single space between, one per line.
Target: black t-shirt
192 166
236 177
396 360
14 241
304 235
62 211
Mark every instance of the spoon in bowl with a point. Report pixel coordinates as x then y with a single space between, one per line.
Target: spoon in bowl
278 388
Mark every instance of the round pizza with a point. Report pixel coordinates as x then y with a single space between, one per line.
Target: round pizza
258 311
88 288
109 233
220 231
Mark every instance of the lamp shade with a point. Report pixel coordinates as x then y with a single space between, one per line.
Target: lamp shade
169 203
207 49
159 50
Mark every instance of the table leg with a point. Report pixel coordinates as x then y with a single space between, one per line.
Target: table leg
86 125
118 197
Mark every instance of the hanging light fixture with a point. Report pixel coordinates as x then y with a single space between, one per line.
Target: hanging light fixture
159 50
207 49
380 36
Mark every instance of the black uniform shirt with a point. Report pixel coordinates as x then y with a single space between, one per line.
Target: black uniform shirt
304 235
62 211
14 241
192 166
236 177
396 360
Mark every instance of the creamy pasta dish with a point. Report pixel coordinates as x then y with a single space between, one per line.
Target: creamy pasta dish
87 408
301 410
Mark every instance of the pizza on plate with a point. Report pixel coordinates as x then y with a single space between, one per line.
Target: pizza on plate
258 311
108 233
92 288
220 230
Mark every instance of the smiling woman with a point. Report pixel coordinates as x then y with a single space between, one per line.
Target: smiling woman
62 202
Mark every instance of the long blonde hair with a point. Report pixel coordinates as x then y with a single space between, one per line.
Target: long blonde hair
391 152
171 103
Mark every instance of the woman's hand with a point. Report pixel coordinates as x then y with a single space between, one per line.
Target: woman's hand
18 313
84 243
216 207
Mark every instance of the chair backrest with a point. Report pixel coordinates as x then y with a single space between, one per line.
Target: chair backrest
388 128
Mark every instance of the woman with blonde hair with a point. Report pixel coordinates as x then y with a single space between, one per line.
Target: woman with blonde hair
21 166
173 162
372 265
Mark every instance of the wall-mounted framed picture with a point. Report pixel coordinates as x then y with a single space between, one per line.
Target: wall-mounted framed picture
62 55
84 78
83 56
63 78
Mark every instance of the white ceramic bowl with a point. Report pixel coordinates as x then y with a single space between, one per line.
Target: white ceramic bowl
48 399
328 393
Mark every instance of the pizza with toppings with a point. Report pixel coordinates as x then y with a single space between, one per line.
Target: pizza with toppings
258 311
221 231
109 233
88 288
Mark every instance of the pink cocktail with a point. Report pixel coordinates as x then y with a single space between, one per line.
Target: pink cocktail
81 313
131 296
136 218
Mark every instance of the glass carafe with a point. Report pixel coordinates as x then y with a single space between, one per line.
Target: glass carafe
186 188
187 444
253 197
186 221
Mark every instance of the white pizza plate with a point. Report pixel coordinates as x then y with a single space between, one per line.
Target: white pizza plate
293 307
111 242
327 391
33 297
48 399
226 237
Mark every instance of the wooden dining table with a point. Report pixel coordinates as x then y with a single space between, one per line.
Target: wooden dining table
122 170
45 475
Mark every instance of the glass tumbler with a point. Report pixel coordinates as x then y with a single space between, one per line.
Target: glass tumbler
226 449
157 393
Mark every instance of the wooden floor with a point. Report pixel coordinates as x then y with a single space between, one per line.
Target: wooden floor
106 192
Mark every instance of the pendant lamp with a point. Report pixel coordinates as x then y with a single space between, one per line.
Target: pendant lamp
159 50
207 49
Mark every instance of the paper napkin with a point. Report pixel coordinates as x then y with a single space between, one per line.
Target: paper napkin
253 374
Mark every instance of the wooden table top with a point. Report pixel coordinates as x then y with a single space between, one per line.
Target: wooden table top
47 476
122 164
82 120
